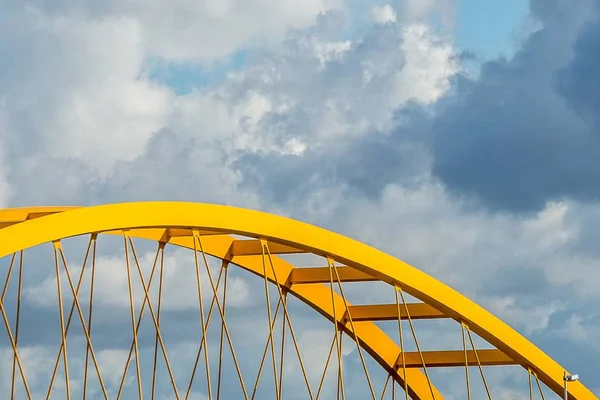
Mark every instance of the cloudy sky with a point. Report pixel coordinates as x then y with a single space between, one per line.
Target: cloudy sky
462 136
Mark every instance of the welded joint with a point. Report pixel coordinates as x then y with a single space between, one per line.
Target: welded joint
264 244
286 285
196 236
346 318
330 262
398 287
165 238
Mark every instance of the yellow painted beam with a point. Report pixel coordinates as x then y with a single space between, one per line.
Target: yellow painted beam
12 216
455 358
253 247
322 275
389 312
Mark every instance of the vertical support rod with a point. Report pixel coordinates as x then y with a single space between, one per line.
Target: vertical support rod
330 264
62 321
161 249
268 300
224 266
401 334
566 394
281 361
286 319
196 238
19 287
133 327
87 347
464 339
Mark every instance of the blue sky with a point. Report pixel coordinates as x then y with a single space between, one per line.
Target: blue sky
184 77
490 27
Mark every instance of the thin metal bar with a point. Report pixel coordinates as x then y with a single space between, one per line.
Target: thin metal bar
287 318
464 339
530 384
214 289
133 327
264 356
224 265
337 339
402 352
137 326
161 249
333 342
59 355
360 354
537 380
6 282
19 287
9 332
62 322
93 272
82 319
15 352
8 276
487 389
202 319
414 333
387 382
153 315
208 319
281 361
268 300
341 389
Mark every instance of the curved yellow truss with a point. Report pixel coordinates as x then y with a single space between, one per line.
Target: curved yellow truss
169 221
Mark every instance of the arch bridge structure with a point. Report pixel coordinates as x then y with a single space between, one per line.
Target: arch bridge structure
198 301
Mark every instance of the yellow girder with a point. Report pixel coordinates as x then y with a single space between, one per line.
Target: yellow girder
456 358
389 312
173 221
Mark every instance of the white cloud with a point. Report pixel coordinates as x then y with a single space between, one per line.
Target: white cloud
86 100
315 88
331 51
111 363
582 330
429 67
383 14
205 30
100 110
90 98
529 319
33 360
175 30
421 10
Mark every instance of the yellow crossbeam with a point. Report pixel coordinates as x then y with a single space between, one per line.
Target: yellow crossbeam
455 358
389 312
253 247
321 275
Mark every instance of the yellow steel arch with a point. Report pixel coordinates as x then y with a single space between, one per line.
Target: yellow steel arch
150 220
318 296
